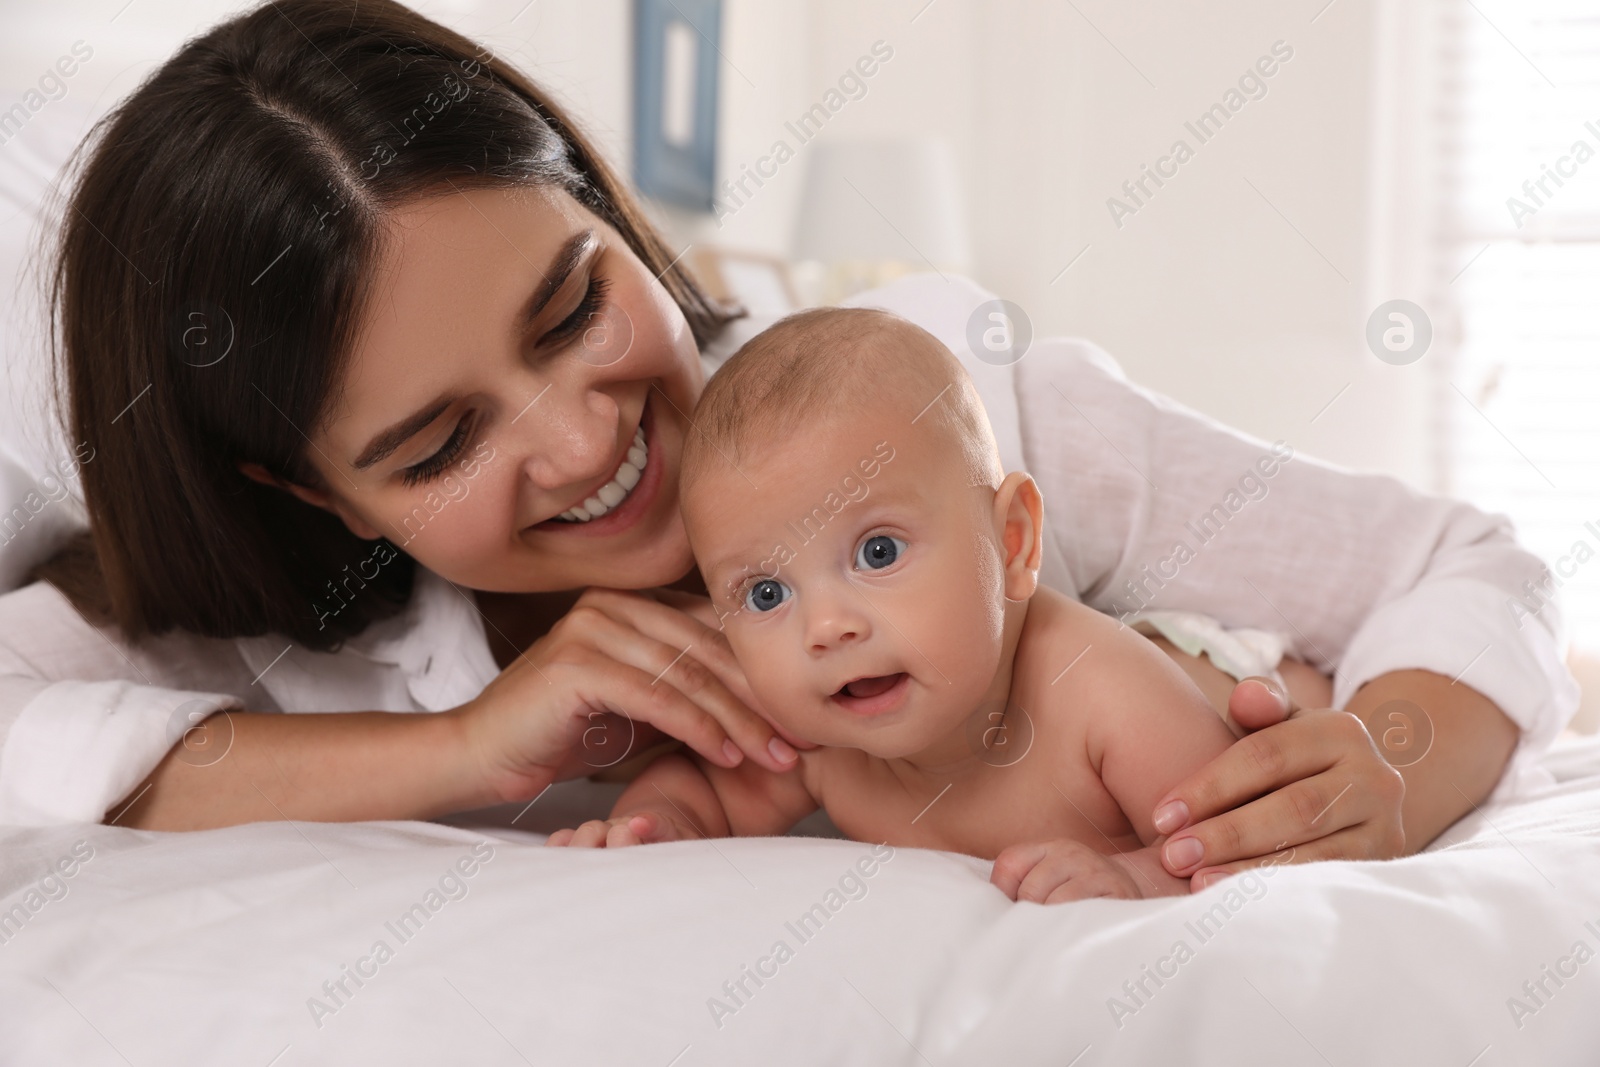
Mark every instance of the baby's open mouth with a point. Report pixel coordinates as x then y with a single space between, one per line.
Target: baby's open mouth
868 687
875 695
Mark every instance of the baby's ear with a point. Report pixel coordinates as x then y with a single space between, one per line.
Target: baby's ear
1019 516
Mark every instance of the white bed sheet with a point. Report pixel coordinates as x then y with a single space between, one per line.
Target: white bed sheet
213 948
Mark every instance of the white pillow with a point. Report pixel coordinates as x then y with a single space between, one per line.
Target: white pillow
38 506
36 515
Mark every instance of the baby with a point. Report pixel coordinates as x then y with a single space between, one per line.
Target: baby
877 576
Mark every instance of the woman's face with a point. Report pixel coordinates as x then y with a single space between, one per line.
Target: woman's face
512 346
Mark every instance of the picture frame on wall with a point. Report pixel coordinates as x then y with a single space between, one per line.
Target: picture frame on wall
675 87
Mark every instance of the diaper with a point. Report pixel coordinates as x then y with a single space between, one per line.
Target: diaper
1239 653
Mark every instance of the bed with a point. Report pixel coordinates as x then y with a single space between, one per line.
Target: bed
260 945
467 942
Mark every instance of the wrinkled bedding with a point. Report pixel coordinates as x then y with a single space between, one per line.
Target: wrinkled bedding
422 943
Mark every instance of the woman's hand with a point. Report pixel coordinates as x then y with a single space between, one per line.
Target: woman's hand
1307 780
582 696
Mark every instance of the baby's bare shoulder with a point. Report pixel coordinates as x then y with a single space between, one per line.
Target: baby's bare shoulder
1113 688
1074 658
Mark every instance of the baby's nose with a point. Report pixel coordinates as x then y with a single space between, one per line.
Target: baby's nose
838 623
834 637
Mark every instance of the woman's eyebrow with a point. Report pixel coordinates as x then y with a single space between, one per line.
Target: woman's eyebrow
381 446
572 253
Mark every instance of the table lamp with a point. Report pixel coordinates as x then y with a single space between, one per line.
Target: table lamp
872 210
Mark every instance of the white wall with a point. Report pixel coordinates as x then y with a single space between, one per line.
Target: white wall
1206 293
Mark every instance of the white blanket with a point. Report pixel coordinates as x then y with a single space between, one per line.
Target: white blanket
456 945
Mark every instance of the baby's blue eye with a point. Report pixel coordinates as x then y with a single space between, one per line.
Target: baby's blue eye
878 551
766 594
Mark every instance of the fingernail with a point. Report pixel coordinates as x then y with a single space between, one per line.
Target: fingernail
1207 880
1171 816
1277 692
731 752
780 749
1184 852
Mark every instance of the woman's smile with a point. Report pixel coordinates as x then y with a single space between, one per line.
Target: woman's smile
627 494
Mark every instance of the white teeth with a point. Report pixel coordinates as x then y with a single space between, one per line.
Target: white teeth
617 489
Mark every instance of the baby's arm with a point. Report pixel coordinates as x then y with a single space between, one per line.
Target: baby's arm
677 798
1149 727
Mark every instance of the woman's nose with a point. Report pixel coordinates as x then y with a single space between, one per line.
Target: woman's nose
566 442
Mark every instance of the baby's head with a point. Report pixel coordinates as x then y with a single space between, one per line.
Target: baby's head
845 500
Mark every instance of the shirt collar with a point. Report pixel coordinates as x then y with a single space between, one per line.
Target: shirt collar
437 646
438 643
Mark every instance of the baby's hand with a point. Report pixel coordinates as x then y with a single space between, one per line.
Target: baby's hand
639 828
1052 872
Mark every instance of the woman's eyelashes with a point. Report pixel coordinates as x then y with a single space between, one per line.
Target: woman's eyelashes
593 302
435 464
589 308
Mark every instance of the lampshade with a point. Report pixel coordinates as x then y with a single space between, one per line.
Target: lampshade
891 199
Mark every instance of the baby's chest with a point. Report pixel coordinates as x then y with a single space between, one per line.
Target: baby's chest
980 812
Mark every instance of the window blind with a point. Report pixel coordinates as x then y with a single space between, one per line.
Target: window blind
1517 267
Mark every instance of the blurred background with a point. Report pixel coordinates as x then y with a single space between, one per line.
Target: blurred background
1228 197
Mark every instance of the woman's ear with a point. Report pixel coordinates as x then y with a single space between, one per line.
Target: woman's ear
1019 516
317 498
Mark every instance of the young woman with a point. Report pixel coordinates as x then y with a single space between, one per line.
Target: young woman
382 378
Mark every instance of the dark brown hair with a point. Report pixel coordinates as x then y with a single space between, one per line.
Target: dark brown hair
215 253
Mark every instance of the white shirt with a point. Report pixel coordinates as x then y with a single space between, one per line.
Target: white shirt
1360 574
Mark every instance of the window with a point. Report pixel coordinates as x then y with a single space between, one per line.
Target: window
1518 255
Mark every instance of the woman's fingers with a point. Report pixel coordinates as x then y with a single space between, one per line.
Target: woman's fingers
722 660
685 654
697 607
1250 767
1297 782
679 620
1344 845
606 683
573 700
676 672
